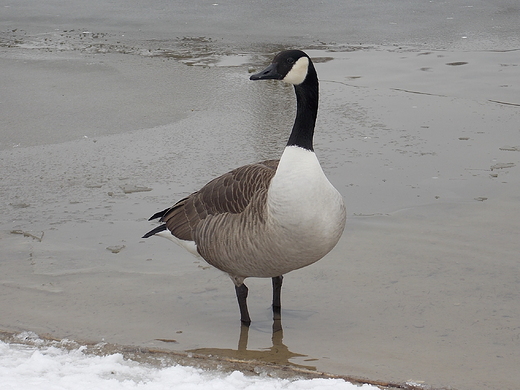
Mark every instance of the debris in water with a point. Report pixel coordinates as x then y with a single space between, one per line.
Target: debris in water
20 205
27 234
115 248
502 166
510 148
167 340
129 188
457 63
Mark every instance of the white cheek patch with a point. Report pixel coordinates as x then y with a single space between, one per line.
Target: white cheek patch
298 72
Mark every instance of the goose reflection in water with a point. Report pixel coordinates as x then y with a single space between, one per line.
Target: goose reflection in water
278 353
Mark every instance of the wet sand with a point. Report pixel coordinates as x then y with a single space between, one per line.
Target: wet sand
423 144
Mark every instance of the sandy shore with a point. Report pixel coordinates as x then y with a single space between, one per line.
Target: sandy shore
423 144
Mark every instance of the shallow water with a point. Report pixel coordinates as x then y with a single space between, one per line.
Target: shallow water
422 143
473 26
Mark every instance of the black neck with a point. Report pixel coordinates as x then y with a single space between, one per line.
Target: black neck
306 111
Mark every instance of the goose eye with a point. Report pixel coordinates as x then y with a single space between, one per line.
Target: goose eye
290 60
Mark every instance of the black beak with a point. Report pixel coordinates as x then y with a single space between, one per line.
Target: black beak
269 73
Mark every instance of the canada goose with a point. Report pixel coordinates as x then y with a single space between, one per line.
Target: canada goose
268 218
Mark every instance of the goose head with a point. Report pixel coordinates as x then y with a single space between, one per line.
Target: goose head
291 66
296 68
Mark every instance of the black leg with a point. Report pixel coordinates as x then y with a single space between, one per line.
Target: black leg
242 304
277 290
244 335
277 332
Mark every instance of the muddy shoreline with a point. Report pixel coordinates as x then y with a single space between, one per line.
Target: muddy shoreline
165 358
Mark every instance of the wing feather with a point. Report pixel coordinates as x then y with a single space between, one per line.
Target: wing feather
229 193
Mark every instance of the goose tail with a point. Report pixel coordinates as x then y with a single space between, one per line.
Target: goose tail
159 214
152 232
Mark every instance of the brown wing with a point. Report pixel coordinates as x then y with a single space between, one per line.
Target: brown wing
229 193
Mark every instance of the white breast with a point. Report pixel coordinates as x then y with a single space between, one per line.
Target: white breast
306 207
